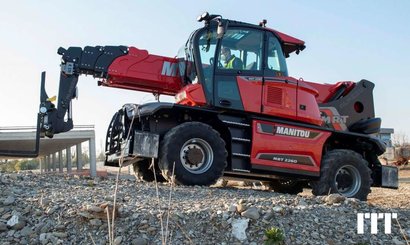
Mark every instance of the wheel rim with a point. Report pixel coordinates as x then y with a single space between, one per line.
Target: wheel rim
348 180
196 156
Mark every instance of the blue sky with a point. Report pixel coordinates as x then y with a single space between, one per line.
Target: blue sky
346 40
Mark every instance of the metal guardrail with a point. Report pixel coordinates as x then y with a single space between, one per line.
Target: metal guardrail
17 128
35 151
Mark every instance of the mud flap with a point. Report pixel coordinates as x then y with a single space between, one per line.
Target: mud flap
390 177
145 144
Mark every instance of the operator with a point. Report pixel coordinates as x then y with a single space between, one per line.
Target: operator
231 62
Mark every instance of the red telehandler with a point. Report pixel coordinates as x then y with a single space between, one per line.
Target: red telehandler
250 120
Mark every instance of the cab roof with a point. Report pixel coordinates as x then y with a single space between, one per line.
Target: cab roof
289 44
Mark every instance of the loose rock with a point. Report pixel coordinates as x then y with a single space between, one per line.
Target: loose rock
16 222
239 227
59 209
334 198
118 240
139 241
95 222
9 200
252 213
240 208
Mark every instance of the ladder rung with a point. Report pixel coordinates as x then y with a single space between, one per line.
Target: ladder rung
236 123
240 155
241 139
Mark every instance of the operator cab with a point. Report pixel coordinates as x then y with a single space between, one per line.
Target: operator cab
240 66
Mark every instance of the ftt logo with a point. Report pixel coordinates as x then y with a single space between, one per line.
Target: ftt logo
374 217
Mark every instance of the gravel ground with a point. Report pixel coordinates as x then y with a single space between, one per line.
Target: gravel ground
50 209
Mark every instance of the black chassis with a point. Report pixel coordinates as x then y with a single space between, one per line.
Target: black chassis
152 120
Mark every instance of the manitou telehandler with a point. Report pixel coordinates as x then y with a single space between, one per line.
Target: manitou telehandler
247 121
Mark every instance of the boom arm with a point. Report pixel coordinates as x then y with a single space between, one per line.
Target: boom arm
116 66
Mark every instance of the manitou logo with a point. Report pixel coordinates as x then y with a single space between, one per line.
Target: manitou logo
169 69
293 132
374 217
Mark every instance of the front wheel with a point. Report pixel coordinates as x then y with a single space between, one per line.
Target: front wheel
344 172
145 172
197 151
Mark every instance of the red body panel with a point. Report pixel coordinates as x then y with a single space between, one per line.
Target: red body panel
250 89
308 109
279 98
192 95
141 71
327 90
287 147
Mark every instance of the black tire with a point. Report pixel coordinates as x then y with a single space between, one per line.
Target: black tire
143 171
344 172
285 186
198 152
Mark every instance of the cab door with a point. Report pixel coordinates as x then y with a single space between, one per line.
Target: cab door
238 73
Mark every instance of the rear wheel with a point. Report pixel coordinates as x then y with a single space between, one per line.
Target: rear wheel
344 172
144 171
285 186
197 151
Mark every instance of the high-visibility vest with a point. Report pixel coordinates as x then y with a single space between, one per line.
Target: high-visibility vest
229 65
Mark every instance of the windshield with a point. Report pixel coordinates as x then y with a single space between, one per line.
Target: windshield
207 46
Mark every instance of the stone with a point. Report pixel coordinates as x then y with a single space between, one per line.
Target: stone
60 234
139 241
10 233
60 227
268 216
205 215
302 203
252 213
240 208
43 238
16 222
3 227
95 222
239 227
51 210
118 240
13 176
86 215
225 215
9 200
26 231
315 235
232 208
278 209
151 229
44 201
334 198
92 208
396 241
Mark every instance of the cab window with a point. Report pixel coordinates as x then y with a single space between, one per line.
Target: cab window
276 64
241 49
